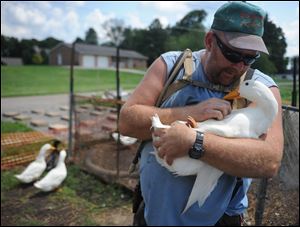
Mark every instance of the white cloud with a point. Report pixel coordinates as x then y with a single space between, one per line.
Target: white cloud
134 21
95 20
163 20
168 6
75 3
291 34
291 31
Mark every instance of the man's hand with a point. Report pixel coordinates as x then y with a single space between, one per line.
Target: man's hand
213 108
174 142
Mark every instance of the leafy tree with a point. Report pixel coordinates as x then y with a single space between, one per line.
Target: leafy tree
265 65
91 37
10 47
154 41
79 40
192 21
114 30
276 44
48 43
37 59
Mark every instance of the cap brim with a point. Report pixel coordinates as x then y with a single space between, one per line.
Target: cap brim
246 41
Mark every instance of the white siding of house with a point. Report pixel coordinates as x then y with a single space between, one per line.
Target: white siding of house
102 62
88 61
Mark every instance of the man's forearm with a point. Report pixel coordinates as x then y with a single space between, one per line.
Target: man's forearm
135 120
242 157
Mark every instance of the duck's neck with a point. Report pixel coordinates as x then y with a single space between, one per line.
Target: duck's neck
42 155
61 159
268 105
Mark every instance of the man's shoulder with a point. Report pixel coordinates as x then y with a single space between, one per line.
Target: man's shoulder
264 78
171 55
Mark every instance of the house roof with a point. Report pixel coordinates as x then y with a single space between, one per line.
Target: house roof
103 51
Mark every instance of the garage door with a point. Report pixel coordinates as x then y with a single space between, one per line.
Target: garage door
88 61
102 62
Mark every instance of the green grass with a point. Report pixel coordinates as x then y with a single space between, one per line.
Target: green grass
8 127
286 87
42 80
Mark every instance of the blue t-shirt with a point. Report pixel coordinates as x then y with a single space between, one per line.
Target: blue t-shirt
165 194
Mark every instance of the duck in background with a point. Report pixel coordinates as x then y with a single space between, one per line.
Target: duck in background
125 140
249 122
55 177
35 169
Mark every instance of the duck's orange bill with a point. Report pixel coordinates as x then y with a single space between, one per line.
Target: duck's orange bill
232 95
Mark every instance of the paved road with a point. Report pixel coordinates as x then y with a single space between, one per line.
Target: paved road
25 105
50 103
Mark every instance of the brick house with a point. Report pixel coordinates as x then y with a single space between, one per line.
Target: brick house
93 56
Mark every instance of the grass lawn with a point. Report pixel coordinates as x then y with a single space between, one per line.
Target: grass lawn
41 80
7 127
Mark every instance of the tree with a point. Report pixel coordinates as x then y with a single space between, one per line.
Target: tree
189 32
91 37
79 40
155 41
48 43
191 21
10 47
37 59
155 25
114 30
265 65
276 44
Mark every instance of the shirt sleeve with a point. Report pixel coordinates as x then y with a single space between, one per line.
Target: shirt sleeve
170 59
265 79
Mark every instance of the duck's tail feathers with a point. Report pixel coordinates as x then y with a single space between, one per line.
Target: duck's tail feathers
205 182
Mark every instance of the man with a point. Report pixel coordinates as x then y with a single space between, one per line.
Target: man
232 45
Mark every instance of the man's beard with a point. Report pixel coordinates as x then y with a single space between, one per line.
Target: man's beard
225 76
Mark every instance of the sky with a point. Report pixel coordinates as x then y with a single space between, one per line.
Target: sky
67 20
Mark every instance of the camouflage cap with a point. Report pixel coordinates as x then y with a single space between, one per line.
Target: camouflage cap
242 24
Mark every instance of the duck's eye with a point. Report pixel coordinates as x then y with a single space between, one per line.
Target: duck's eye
247 84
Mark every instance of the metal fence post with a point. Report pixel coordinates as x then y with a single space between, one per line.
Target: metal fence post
71 102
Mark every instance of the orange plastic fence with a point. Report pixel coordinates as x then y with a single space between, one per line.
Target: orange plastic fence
9 140
22 138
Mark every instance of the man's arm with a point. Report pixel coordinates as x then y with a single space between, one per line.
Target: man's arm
237 157
140 107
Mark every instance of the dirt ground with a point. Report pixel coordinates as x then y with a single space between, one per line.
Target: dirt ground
281 204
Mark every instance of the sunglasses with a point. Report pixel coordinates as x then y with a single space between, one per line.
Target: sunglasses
234 56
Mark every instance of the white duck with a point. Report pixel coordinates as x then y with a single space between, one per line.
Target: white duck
35 169
55 176
249 122
125 140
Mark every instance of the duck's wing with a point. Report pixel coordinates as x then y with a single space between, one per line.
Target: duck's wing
53 179
33 171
